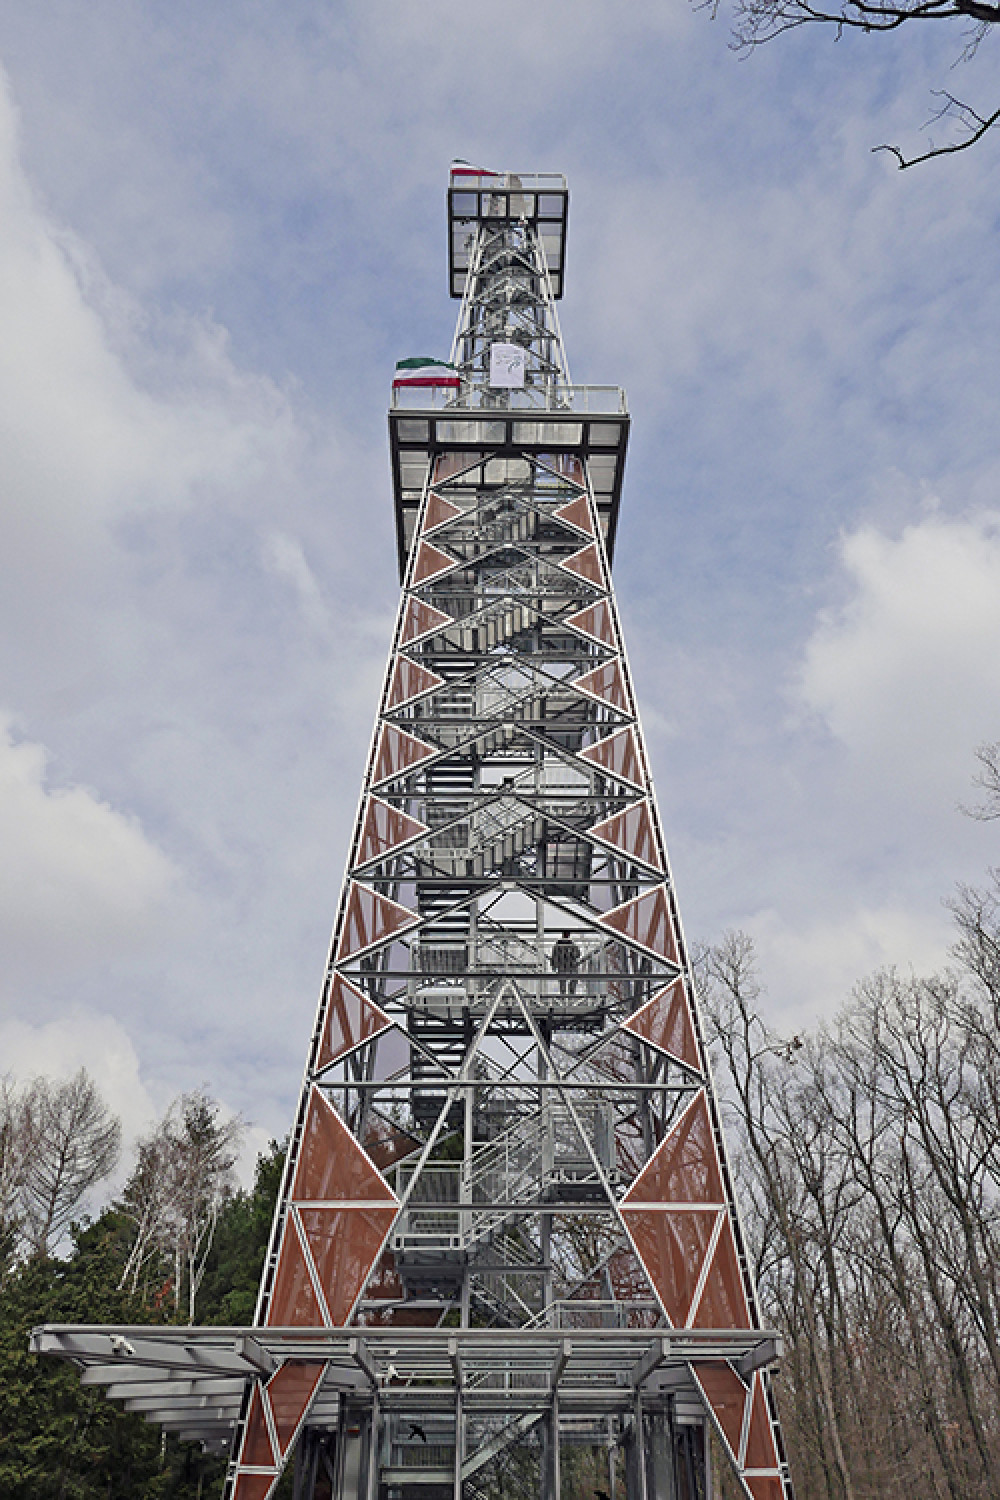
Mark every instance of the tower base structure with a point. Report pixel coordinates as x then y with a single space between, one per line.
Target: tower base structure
425 1414
506 1258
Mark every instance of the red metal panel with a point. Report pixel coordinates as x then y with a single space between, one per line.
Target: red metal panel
764 1487
371 919
384 829
420 618
684 1168
607 684
577 513
397 752
727 1396
350 1021
723 1302
628 1279
345 1244
257 1452
672 1245
254 1486
631 831
332 1166
618 754
665 1022
438 512
761 1452
646 920
290 1390
596 621
294 1303
386 1143
430 562
409 680
586 564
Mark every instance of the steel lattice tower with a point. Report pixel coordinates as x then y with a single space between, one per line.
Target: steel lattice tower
506 1259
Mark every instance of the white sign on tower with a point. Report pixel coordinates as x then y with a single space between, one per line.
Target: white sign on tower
507 362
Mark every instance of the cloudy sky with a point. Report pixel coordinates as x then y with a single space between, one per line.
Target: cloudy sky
219 228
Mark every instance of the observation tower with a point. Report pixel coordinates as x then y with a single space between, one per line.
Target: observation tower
506 1260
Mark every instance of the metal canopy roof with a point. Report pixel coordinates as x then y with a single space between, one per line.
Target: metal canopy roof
190 1381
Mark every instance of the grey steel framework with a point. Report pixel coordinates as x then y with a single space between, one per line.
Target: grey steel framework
506 1258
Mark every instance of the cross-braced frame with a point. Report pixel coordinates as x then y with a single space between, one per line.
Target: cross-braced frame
507 1246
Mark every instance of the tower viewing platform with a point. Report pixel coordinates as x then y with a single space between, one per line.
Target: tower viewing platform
492 219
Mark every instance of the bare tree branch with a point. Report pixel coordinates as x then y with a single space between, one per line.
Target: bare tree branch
760 21
987 779
977 126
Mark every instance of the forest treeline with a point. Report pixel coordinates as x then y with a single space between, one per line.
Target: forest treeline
180 1243
868 1174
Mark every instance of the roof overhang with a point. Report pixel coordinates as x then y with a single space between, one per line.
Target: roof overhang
418 434
191 1380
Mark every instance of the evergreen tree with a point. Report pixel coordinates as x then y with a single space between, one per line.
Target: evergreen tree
59 1438
67 1441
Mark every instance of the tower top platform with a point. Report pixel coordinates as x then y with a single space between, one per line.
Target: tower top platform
540 199
506 253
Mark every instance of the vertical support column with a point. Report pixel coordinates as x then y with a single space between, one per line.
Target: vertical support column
663 1475
465 1188
459 1444
373 1453
337 1455
640 1489
306 1463
551 1477
349 1459
633 1448
547 1165
691 1457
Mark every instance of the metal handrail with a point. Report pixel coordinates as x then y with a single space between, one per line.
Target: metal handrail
562 400
527 182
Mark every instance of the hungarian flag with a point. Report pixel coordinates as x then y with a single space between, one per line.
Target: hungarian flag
421 371
460 168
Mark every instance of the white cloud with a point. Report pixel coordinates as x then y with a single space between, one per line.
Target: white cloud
76 877
283 555
811 964
82 1039
103 415
793 317
906 672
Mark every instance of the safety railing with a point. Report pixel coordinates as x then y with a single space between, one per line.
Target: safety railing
529 182
563 400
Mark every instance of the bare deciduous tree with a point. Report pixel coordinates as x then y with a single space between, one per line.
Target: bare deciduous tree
203 1152
869 1158
183 1177
144 1201
987 779
73 1142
